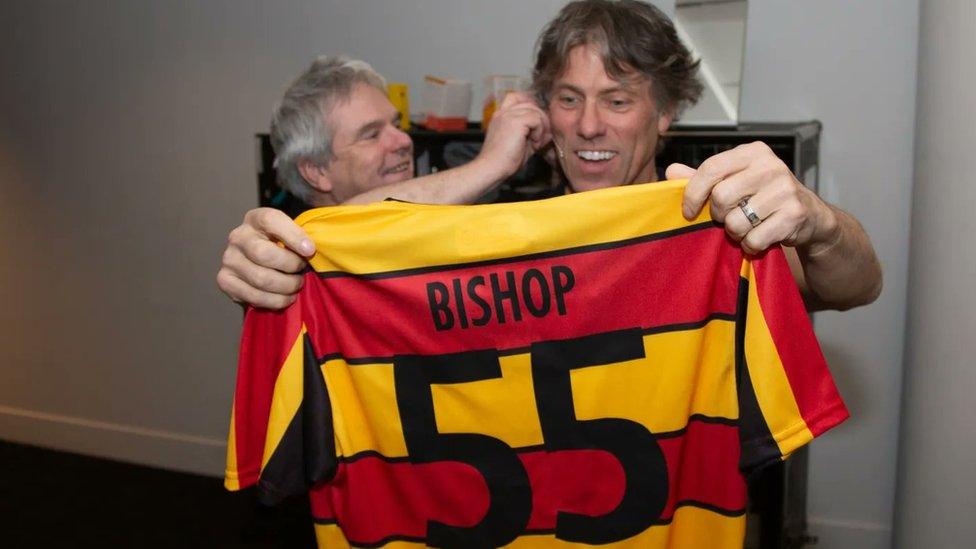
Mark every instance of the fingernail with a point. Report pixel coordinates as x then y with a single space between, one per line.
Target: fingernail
686 211
307 247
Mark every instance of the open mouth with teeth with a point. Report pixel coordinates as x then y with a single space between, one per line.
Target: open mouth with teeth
593 164
399 168
596 156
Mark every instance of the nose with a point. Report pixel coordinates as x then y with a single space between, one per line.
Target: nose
399 141
590 124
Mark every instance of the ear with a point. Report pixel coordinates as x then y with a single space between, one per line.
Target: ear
317 176
664 122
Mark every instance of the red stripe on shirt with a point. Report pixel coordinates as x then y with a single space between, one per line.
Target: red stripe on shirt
789 326
373 499
640 285
266 339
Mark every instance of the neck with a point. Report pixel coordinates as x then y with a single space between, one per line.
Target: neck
645 177
320 199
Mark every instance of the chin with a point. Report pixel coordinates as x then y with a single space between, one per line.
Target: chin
582 185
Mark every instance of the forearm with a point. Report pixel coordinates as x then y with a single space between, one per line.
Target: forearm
518 128
841 272
461 185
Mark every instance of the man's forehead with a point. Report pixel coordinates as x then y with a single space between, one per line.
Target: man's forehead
587 57
636 84
363 105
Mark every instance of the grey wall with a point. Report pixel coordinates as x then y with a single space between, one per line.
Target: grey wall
937 485
126 155
852 66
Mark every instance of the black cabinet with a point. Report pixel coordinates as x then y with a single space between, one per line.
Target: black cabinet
797 144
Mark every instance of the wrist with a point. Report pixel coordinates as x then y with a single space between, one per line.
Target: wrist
827 237
488 169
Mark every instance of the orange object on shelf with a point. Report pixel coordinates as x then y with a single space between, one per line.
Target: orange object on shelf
446 123
447 102
487 112
497 86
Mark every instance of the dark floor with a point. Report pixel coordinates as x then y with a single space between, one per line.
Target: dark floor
56 499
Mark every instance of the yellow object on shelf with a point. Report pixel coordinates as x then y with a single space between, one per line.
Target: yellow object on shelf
400 97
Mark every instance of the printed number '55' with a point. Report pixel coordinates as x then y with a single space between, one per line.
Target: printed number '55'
510 506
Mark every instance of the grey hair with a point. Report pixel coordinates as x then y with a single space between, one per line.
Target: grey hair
299 126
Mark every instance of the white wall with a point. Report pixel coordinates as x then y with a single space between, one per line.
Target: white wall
937 484
127 154
716 33
852 66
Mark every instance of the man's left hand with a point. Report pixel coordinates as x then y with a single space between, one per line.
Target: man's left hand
751 176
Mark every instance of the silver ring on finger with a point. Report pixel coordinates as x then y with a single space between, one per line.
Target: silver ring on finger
750 214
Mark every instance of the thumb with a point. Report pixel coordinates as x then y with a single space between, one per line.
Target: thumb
275 225
679 171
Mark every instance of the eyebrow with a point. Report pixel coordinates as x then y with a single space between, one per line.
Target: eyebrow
626 88
368 127
376 125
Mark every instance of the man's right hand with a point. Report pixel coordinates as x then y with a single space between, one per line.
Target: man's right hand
518 129
256 270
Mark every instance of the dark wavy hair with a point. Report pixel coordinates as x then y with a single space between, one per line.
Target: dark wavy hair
632 37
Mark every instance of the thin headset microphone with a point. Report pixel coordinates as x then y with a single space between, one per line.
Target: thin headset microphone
559 150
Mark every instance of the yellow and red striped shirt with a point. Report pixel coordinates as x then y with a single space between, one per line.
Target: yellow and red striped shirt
587 369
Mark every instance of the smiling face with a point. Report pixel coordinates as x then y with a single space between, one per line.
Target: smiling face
607 129
368 148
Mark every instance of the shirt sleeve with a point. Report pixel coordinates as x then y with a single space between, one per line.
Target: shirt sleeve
786 394
281 435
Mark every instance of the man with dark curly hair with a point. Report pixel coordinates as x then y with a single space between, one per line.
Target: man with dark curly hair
609 78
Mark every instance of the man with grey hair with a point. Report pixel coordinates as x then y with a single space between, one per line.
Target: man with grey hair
305 124
611 76
337 141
